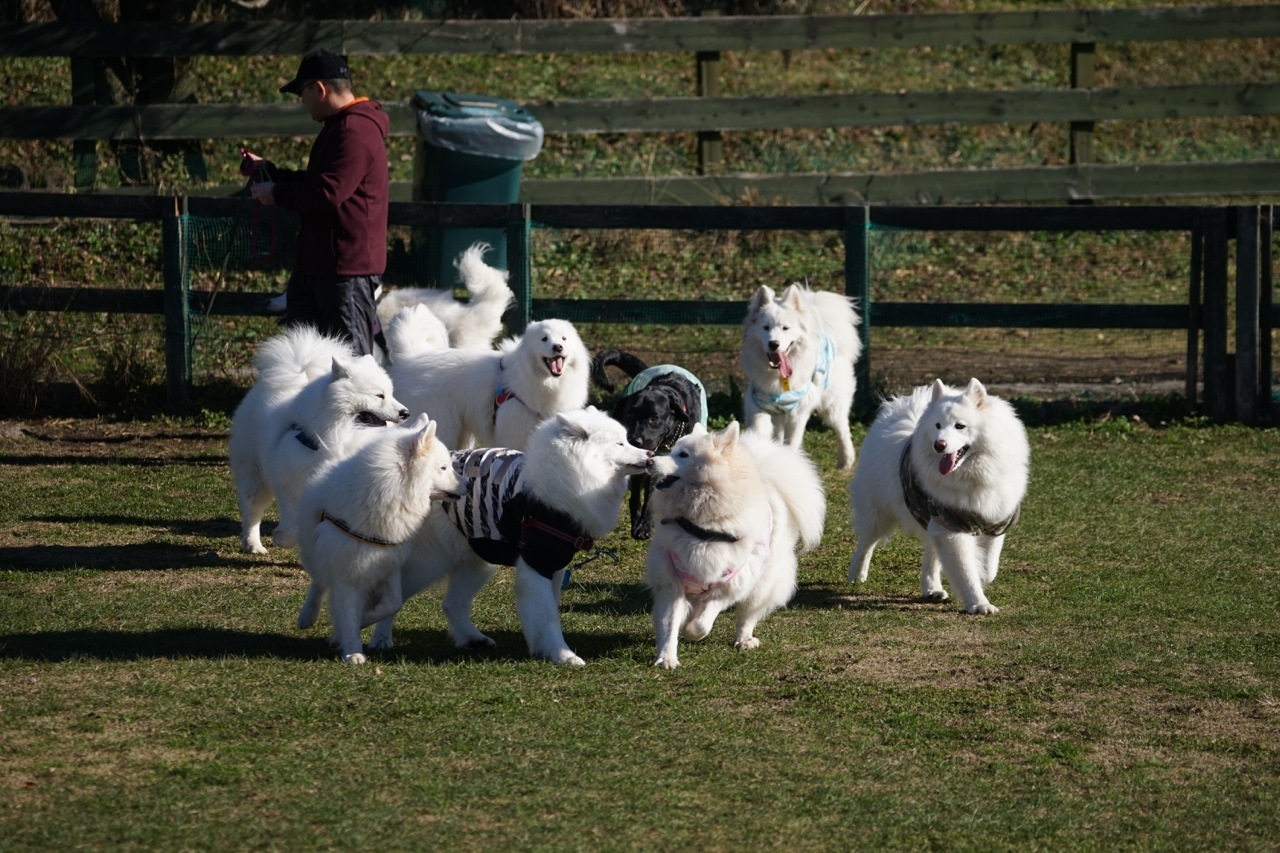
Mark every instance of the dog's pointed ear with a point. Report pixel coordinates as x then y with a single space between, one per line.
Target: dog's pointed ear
976 393
698 429
727 437
424 431
340 369
791 297
568 427
763 296
938 390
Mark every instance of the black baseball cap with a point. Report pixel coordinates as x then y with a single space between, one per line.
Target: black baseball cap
319 64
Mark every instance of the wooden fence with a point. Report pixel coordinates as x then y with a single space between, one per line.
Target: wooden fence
704 112
1235 384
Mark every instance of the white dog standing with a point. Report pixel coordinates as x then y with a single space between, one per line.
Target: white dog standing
949 466
475 322
731 508
311 396
357 517
798 352
532 510
488 398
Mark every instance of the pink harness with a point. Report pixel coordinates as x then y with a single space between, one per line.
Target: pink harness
695 586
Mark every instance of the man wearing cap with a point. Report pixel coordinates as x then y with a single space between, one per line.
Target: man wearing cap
341 200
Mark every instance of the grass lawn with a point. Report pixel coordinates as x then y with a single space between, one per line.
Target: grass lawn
155 693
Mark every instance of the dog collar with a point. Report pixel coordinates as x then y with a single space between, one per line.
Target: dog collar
360 537
308 441
701 532
695 586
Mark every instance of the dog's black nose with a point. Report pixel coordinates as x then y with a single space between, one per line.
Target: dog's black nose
557 348
940 446
773 346
404 414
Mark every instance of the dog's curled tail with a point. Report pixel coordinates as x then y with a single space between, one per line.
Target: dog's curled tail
298 355
623 360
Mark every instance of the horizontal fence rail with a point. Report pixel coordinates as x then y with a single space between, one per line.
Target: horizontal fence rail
705 113
1235 384
642 35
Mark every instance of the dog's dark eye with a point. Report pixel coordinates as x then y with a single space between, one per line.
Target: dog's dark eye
959 426
683 454
786 328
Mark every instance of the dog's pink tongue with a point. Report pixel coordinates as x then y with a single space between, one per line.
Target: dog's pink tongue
556 365
947 464
781 363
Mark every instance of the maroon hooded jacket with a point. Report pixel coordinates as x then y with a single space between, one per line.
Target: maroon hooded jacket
342 196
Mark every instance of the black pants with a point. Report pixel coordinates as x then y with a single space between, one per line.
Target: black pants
338 306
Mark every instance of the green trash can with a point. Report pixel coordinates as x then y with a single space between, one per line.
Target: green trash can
471 149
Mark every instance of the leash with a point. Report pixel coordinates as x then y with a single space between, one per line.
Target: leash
600 552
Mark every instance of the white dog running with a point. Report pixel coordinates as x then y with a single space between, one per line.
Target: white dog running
311 396
488 398
950 467
533 510
731 509
798 352
357 516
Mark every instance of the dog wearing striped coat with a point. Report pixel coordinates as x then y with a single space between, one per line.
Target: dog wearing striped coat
532 510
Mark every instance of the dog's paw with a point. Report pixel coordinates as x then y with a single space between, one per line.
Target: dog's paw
746 644
935 595
253 547
565 657
283 538
382 643
479 641
667 662
982 609
355 657
857 575
642 530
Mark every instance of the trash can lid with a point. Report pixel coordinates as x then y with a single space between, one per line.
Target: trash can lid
458 105
478 124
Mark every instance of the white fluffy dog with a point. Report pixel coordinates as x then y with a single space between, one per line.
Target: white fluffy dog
311 396
950 467
731 508
798 352
495 398
475 322
357 516
533 510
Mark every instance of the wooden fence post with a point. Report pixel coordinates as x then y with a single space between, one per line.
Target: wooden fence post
177 305
1214 314
710 142
1248 316
1082 56
1266 314
520 269
857 283
1195 316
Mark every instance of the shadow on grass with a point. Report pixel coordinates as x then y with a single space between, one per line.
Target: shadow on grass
420 646
162 643
140 557
617 599
812 596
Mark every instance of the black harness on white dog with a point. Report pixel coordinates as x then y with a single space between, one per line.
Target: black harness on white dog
925 509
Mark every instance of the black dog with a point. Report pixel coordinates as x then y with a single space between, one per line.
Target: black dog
658 406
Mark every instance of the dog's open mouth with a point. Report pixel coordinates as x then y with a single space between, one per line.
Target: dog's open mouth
950 461
779 361
666 482
555 364
370 419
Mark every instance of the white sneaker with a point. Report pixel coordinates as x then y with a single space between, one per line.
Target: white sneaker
276 304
